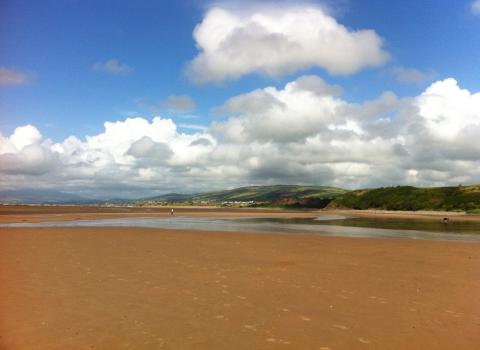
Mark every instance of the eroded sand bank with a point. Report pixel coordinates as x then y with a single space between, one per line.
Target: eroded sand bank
130 288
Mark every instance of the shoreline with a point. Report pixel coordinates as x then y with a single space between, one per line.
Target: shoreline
38 213
421 215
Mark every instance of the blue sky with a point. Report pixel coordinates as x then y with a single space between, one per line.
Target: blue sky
59 41
408 74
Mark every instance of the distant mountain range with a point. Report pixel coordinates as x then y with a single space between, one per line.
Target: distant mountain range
461 198
40 196
309 196
293 195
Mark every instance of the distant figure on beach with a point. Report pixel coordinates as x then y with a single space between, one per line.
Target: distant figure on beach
445 220
171 213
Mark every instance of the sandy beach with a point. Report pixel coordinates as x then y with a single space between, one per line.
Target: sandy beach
239 175
132 288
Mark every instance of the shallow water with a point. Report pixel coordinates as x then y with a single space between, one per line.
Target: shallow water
323 225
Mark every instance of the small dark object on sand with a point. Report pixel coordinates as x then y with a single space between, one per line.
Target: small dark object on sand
445 220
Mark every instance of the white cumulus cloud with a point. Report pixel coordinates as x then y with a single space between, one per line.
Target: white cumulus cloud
303 132
290 114
449 111
24 136
25 152
279 39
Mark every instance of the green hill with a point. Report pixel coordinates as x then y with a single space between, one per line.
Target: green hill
458 198
287 195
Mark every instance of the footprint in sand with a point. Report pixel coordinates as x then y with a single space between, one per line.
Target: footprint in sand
340 326
378 299
250 327
454 314
281 341
364 341
305 318
160 342
241 297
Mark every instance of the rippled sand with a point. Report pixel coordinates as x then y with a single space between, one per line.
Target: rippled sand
130 288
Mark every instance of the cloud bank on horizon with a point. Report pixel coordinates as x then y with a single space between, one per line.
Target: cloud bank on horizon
302 133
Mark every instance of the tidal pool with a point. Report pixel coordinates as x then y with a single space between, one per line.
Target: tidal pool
323 225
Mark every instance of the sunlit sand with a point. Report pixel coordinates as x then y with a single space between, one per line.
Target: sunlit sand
138 288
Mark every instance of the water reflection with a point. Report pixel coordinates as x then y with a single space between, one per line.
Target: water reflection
386 223
324 225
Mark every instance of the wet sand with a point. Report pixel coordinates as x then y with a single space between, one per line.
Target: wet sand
26 213
132 288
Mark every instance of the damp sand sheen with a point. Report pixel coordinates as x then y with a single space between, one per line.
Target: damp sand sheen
129 287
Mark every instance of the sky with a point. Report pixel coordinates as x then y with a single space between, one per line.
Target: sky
127 99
